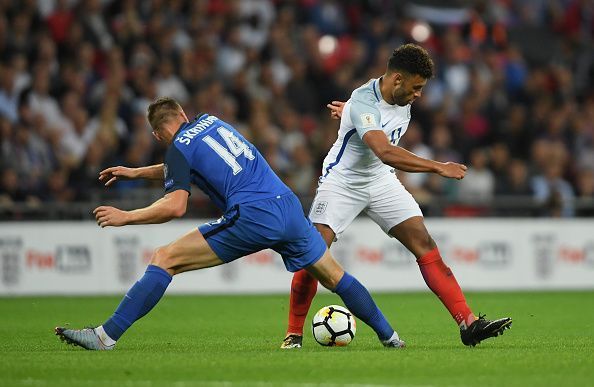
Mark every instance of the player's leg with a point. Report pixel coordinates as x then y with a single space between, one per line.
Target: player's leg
190 252
333 208
355 296
413 234
303 247
394 209
303 290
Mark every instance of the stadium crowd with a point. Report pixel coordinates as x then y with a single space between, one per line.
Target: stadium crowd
513 97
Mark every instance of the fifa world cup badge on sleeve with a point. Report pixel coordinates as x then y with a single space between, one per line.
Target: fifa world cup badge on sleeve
368 120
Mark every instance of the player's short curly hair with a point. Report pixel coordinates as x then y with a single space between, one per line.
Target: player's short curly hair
162 110
413 59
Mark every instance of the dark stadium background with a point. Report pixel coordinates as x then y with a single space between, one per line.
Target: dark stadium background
513 97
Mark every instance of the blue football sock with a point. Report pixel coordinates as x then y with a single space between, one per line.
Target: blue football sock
358 300
139 300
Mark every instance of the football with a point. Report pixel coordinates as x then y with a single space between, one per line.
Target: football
334 325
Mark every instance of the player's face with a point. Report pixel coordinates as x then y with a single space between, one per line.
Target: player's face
407 88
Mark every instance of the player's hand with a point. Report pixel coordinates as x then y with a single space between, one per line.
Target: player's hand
110 216
335 109
113 174
452 170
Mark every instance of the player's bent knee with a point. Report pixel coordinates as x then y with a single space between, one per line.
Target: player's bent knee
330 280
163 258
327 271
330 283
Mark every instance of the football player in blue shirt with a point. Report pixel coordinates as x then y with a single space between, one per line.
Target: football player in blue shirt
260 212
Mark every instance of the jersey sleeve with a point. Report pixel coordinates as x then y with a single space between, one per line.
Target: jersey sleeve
364 114
177 171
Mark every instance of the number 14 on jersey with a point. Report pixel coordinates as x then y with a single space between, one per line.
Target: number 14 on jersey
235 146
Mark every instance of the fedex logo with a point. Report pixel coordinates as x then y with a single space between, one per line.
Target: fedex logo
40 260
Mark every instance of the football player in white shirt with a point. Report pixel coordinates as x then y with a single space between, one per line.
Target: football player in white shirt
359 175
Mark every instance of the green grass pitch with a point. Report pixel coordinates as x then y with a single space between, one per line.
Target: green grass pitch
234 341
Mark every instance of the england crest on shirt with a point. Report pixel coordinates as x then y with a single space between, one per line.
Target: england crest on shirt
320 208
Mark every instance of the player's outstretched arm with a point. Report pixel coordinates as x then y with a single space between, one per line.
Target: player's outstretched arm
404 160
172 205
335 109
113 174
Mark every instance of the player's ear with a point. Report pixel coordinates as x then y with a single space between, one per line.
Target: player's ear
398 78
156 135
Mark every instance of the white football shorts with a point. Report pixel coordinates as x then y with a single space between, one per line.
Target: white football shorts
384 200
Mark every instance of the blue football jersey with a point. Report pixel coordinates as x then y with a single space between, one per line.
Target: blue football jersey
211 154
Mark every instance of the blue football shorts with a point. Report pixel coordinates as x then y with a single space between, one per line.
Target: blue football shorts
277 223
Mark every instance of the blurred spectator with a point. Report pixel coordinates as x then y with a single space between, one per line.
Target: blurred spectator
583 135
33 158
515 182
84 177
7 158
22 77
515 131
553 192
301 92
231 55
8 97
478 186
585 192
255 17
515 71
11 191
303 176
475 127
292 136
168 84
441 145
106 127
43 103
328 16
94 24
499 161
60 19
57 188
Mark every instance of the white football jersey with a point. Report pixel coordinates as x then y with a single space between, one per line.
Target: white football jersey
350 159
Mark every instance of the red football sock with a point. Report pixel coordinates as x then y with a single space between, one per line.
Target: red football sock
303 290
442 282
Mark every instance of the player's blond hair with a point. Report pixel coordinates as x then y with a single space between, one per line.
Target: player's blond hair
162 110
